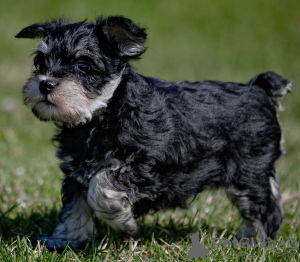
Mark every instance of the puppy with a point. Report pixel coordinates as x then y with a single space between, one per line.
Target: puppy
131 144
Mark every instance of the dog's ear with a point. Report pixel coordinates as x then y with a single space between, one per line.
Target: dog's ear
125 37
42 30
39 30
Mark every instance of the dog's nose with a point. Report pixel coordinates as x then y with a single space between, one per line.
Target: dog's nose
46 86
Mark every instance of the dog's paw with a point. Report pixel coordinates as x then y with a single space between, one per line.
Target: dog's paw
53 244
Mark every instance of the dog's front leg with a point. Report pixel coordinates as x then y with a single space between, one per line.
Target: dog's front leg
110 204
75 227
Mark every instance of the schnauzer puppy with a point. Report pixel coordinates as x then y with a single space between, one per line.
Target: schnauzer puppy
131 144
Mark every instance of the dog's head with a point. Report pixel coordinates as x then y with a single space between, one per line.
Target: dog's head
78 66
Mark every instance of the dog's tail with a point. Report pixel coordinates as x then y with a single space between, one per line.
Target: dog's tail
275 85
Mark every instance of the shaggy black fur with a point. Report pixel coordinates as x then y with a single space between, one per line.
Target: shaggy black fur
158 143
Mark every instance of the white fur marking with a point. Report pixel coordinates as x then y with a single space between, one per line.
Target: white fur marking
42 77
78 225
289 87
43 47
68 159
110 205
274 188
107 93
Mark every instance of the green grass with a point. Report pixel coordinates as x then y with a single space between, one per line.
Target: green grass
193 40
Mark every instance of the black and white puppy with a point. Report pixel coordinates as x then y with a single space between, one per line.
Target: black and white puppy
131 144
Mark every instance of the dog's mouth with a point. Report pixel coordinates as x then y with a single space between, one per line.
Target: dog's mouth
33 101
61 111
46 102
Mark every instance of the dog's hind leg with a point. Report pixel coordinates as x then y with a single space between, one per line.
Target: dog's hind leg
110 204
258 204
275 212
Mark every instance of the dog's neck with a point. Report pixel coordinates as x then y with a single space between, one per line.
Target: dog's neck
107 92
119 94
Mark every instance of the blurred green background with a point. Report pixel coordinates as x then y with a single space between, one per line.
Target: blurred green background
187 40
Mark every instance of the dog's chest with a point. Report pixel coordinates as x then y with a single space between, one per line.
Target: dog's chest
83 150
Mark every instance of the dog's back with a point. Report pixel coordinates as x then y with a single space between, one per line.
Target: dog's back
223 135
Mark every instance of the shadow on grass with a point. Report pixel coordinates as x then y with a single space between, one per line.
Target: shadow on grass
168 229
18 224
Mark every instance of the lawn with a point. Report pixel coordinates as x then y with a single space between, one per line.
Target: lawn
192 40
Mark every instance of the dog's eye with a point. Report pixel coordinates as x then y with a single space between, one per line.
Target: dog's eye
37 66
84 68
38 63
